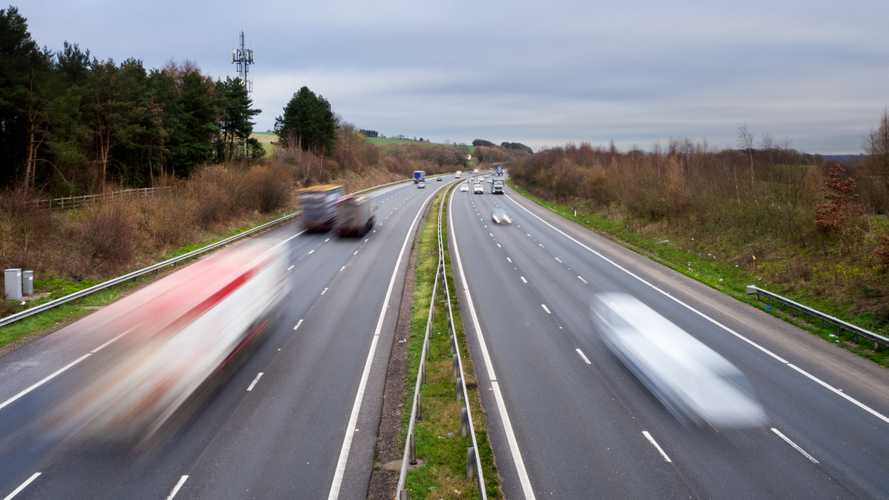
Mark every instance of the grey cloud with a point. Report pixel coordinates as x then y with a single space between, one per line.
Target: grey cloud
637 72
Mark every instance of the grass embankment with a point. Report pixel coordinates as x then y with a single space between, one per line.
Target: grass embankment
441 450
723 276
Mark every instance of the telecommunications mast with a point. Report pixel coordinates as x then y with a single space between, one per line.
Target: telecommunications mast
242 57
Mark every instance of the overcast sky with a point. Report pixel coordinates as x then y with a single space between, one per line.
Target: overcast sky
813 72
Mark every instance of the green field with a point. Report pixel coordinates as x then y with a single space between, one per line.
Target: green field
266 139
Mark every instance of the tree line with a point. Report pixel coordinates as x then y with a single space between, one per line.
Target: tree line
73 123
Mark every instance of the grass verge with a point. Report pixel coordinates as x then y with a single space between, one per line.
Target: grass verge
721 276
441 450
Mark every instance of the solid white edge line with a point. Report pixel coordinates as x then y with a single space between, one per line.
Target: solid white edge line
22 486
178 486
795 446
656 446
582 355
255 381
60 371
511 441
340 470
737 335
298 323
546 308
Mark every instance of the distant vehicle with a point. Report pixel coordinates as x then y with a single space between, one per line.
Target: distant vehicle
354 216
419 176
185 332
499 216
497 187
499 170
438 179
319 206
475 171
691 380
421 185
459 174
478 189
464 187
481 178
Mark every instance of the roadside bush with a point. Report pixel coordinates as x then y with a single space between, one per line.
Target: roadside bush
267 188
108 234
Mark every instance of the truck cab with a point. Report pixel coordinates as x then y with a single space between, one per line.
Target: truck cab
318 205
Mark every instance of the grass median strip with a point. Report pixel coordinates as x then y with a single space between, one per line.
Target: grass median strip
441 449
722 276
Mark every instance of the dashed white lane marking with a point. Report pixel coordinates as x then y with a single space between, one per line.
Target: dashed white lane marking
794 446
60 371
540 245
509 260
737 335
297 325
558 260
255 381
656 446
499 246
366 240
326 240
580 353
355 252
22 486
506 424
178 486
523 280
311 251
343 268
491 235
585 282
291 267
546 308
528 234
324 291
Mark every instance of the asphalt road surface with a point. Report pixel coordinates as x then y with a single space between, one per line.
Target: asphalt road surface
304 429
568 420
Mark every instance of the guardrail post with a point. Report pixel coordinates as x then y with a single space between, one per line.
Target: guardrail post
464 421
470 462
419 407
456 366
412 458
459 391
403 495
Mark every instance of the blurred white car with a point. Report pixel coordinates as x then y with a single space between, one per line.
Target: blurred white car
478 189
499 216
421 185
464 187
691 380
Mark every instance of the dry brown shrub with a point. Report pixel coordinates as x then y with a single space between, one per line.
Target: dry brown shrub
267 188
108 235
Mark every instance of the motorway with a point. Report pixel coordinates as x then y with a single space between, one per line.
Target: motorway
297 420
568 420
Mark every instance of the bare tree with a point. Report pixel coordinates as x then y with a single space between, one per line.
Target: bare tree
745 142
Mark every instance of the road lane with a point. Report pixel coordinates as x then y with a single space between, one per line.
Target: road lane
280 438
560 276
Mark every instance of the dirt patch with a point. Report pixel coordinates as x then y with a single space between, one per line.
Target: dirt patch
389 447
